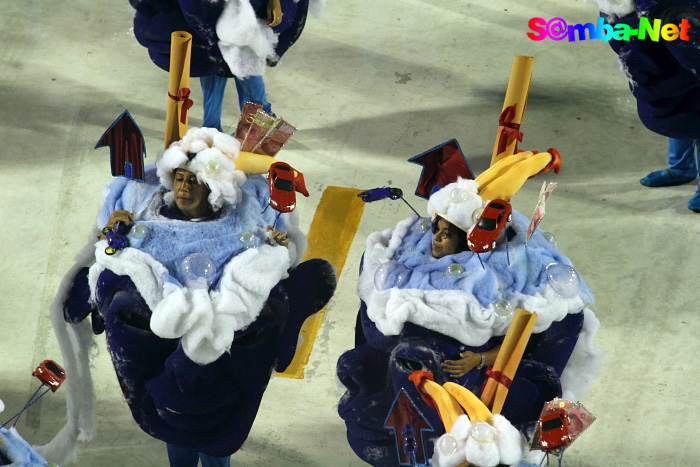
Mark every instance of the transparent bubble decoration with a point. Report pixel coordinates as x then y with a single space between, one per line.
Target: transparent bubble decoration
549 236
477 214
482 432
213 169
424 225
248 239
458 195
454 271
391 274
564 279
502 309
196 270
448 445
137 234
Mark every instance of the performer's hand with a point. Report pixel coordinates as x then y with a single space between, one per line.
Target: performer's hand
274 13
116 216
467 362
277 237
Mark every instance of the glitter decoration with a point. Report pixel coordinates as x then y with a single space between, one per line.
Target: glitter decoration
477 214
458 195
564 279
483 432
454 270
213 169
391 274
424 225
197 270
502 309
248 239
448 445
549 236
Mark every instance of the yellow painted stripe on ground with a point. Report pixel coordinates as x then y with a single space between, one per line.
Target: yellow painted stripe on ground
331 233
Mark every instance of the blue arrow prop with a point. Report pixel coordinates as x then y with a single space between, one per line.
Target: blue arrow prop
409 426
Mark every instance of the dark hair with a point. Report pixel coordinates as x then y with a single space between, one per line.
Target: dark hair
461 234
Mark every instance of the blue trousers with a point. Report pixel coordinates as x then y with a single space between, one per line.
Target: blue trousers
250 89
682 157
183 457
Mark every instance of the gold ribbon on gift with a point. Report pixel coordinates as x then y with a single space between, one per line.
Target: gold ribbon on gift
178 87
500 376
508 133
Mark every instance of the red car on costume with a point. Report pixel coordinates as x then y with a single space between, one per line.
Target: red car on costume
284 181
553 430
483 235
50 374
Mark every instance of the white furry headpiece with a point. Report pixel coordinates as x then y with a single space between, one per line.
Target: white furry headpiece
615 7
211 157
456 203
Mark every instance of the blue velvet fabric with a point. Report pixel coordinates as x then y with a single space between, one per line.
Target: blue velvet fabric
156 20
666 73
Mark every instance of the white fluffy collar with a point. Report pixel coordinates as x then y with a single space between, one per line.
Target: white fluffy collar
206 321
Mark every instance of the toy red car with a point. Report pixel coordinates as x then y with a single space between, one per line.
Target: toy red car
50 374
553 430
483 235
284 181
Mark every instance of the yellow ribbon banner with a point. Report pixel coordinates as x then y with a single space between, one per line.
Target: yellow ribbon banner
331 233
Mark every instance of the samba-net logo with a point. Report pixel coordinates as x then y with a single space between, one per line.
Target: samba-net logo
557 30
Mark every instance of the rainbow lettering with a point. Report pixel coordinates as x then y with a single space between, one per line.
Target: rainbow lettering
557 29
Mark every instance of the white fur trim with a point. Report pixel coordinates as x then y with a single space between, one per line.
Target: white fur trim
245 41
75 342
209 145
506 447
205 321
614 7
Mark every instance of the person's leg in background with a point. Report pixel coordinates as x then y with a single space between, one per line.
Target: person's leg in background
182 457
213 88
694 203
209 461
682 166
252 89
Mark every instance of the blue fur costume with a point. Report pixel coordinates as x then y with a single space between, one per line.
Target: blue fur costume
206 407
402 329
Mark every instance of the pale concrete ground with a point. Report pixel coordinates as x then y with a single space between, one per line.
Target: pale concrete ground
370 85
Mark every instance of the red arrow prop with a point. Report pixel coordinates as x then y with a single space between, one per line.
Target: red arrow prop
127 147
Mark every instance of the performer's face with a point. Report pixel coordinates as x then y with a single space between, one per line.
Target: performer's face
445 239
191 197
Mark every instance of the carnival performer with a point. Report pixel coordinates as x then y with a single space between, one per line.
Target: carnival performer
201 301
664 77
230 39
429 304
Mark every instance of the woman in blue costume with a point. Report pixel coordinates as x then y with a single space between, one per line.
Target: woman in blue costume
429 304
230 39
202 306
